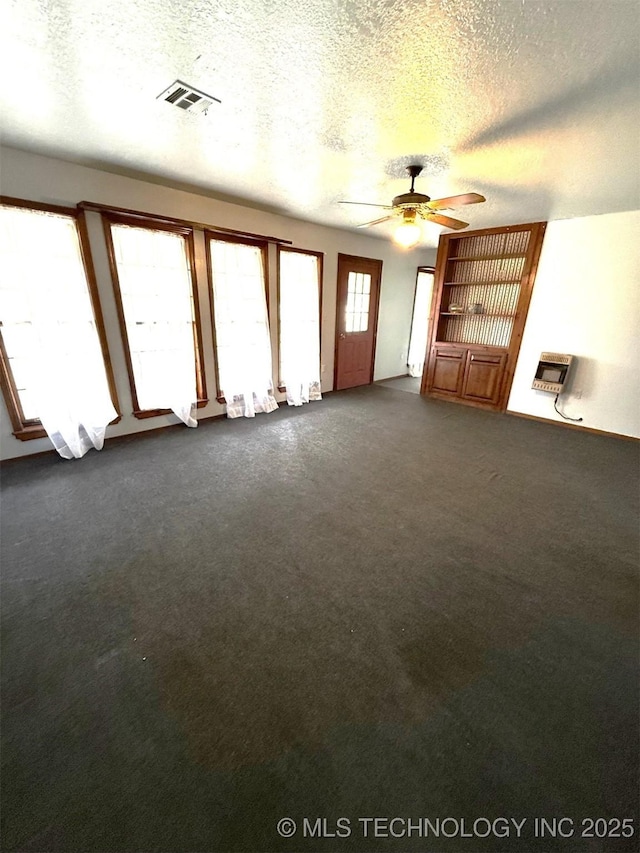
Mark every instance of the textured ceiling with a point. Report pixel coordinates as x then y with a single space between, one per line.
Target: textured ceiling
533 104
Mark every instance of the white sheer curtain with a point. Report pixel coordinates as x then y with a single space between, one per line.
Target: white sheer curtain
156 289
243 344
49 330
420 323
300 326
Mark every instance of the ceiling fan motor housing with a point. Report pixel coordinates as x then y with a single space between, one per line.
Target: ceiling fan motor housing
410 200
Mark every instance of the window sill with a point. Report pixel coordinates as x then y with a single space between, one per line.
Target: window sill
30 432
156 413
223 400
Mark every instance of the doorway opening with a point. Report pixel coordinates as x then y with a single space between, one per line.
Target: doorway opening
420 322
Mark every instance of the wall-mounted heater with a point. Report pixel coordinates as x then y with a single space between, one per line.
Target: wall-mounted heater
551 373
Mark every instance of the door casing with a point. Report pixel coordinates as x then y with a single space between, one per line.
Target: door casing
372 266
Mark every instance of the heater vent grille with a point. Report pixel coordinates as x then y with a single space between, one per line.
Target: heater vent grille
187 98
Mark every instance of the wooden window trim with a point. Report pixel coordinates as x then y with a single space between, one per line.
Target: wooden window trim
157 219
25 204
320 256
118 218
227 238
28 430
85 251
21 427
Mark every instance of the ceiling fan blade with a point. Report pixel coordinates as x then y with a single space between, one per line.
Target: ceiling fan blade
368 204
455 200
447 221
375 222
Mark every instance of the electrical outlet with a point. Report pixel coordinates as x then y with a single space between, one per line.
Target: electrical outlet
578 394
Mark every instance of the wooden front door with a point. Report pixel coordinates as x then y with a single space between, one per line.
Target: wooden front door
356 320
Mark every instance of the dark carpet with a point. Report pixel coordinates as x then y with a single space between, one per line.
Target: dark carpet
377 605
402 383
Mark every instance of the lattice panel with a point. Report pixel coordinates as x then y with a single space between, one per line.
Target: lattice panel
497 270
478 329
482 282
512 243
493 299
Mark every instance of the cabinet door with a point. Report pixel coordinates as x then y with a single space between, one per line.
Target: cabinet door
446 370
483 377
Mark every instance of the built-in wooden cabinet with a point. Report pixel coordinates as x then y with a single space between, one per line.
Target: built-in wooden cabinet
483 376
446 370
482 290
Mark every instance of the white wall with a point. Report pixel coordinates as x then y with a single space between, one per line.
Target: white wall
586 302
43 179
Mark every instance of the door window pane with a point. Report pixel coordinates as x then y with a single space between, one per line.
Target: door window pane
357 310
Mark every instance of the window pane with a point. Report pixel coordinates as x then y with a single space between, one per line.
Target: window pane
48 327
243 343
29 405
157 301
299 321
357 308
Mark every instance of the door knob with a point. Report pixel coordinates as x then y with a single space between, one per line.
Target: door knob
342 336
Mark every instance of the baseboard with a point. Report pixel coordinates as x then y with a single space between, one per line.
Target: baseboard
111 439
459 401
400 376
572 426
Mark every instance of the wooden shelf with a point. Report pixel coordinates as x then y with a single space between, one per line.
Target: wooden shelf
490 348
479 283
487 257
472 314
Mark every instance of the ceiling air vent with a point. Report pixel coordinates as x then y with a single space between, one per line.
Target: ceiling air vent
187 98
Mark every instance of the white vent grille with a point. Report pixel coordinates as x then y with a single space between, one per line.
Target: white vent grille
187 98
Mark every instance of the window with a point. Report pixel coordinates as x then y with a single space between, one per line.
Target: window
155 291
52 341
241 324
358 294
299 289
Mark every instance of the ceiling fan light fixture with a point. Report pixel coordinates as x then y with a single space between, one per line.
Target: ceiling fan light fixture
408 233
413 207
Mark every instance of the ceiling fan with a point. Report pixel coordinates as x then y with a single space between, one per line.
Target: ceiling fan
413 206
